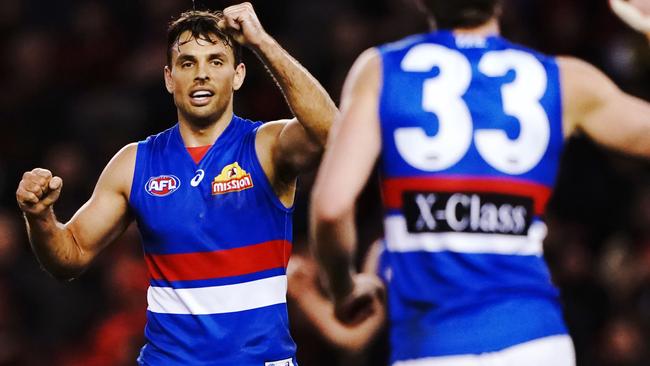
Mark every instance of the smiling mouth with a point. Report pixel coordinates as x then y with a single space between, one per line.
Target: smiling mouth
201 97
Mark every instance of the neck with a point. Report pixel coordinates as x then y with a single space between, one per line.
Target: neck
489 28
195 134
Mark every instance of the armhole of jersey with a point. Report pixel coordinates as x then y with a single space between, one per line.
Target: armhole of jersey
136 181
266 184
560 96
380 99
382 263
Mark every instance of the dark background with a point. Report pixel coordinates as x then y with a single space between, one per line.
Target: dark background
80 79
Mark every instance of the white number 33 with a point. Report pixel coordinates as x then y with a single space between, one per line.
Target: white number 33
442 95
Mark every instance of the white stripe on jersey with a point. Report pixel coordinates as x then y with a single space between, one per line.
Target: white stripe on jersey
398 239
218 299
554 350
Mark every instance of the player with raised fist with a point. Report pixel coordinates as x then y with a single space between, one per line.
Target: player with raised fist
212 197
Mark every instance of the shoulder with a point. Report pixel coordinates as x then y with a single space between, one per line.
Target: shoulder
118 174
365 74
267 136
574 68
127 153
584 90
269 131
582 82
370 58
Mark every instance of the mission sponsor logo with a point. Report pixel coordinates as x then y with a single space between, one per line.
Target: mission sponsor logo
468 212
162 185
232 179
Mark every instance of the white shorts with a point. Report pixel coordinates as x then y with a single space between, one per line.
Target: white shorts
555 350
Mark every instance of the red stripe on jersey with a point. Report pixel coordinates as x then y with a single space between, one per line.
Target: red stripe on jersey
220 263
393 188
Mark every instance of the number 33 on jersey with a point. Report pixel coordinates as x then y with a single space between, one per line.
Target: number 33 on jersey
472 134
470 111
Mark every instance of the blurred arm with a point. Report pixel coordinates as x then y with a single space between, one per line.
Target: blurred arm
593 104
66 250
351 153
305 292
636 13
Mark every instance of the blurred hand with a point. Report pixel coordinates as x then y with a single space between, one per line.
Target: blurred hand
642 5
37 192
363 302
636 13
240 21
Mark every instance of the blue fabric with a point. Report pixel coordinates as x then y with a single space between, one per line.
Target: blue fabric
401 106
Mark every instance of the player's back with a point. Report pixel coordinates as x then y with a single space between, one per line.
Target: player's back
471 138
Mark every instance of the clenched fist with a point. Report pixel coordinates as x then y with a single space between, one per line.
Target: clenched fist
363 302
240 21
37 192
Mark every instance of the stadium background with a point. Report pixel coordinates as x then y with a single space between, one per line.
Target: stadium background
80 79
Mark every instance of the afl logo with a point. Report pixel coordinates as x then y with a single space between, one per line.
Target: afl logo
162 185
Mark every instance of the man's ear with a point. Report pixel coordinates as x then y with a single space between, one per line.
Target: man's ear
169 82
240 75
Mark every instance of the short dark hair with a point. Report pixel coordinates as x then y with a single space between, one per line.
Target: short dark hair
450 14
202 24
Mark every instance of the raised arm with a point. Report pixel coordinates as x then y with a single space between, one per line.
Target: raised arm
351 154
296 143
66 250
636 13
593 104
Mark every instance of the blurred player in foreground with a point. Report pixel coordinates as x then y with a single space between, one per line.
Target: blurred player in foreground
212 197
468 129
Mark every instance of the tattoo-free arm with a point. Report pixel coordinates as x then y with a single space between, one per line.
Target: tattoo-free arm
66 250
348 162
593 104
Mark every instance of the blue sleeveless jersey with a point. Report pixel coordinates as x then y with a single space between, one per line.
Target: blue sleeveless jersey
216 241
471 140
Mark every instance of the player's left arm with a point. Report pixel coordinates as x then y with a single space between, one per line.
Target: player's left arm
298 142
596 106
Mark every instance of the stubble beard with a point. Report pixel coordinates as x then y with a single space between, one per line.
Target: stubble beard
200 120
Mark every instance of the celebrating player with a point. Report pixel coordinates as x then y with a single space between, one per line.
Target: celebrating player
468 129
212 198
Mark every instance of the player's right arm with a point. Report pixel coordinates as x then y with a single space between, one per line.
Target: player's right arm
352 150
66 250
594 105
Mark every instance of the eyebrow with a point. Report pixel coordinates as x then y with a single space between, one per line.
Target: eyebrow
220 55
185 57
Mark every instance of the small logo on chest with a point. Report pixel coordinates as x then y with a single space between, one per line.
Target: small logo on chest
232 179
162 185
197 178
